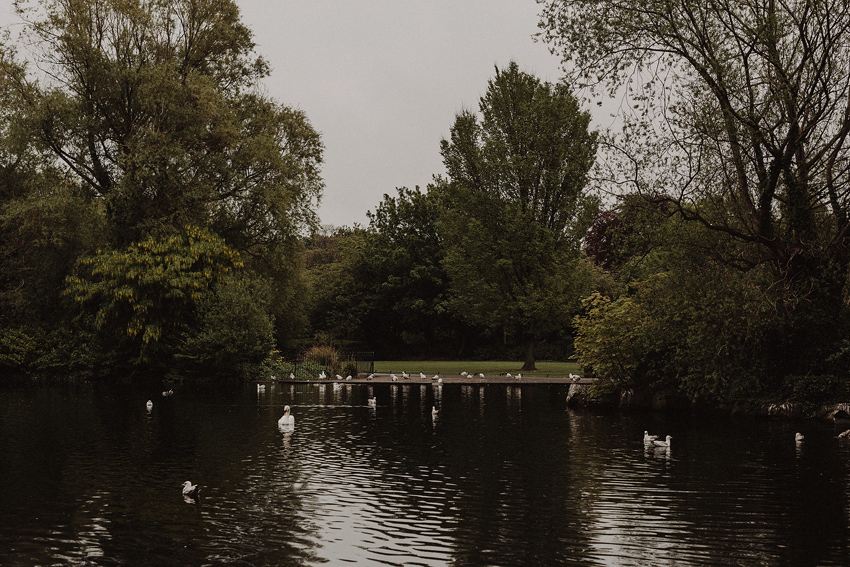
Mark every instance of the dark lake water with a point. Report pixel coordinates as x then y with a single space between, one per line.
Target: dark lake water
503 476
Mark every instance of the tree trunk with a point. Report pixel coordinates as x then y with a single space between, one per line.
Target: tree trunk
529 356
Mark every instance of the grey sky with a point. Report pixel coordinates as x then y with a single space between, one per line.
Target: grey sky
383 79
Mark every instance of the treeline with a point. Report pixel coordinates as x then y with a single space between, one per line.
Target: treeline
158 212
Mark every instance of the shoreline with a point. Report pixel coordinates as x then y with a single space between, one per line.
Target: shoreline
446 379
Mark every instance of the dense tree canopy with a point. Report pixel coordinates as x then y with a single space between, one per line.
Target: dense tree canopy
125 126
153 108
515 207
740 121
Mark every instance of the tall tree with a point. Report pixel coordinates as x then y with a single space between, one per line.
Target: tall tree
401 268
516 207
153 106
740 123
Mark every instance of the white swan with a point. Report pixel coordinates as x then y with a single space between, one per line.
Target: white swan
666 443
287 418
647 438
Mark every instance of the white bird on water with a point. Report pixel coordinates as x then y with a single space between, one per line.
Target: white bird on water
191 490
261 388
798 437
422 375
647 438
519 376
405 375
373 402
287 418
436 377
665 443
322 375
434 412
394 377
149 405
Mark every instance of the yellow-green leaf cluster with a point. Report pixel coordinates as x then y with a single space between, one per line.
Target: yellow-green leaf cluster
153 284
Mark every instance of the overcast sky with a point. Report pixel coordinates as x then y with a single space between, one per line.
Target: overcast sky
382 81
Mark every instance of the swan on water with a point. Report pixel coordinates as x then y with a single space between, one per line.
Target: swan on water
666 443
287 418
647 438
149 405
191 490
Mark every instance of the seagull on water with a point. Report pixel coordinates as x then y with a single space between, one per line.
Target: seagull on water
394 377
405 375
648 439
373 402
422 375
434 412
798 437
191 490
665 443
149 405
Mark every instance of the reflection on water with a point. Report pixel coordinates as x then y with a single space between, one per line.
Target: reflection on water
501 475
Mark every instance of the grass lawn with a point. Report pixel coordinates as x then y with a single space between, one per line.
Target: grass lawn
491 367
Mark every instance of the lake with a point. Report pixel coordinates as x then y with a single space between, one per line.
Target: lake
503 475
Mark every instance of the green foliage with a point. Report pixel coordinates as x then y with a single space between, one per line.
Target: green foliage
153 107
325 357
150 290
515 209
233 328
